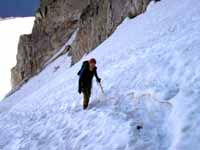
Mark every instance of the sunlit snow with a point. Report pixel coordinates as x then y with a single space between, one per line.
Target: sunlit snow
151 77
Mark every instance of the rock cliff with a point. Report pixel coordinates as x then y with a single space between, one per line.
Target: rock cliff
58 20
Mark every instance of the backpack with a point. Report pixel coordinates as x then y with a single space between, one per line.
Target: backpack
84 65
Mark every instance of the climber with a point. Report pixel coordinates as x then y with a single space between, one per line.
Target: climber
86 74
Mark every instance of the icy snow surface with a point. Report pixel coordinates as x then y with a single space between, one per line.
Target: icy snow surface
151 77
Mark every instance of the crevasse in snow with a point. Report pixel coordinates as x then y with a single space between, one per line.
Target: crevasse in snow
151 77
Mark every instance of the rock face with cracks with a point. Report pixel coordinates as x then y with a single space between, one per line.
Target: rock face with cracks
57 20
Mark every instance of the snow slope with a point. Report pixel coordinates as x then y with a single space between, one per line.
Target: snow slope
10 30
151 76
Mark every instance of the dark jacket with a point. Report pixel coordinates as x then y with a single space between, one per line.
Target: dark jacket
86 76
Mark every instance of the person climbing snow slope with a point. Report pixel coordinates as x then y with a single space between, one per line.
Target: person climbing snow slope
86 74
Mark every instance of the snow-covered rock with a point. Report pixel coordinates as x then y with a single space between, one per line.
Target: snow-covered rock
57 20
151 78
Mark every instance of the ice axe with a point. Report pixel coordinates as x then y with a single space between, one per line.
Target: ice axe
101 87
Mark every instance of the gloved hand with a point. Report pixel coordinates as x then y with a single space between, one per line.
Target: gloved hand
99 80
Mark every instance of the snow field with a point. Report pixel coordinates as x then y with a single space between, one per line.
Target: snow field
150 72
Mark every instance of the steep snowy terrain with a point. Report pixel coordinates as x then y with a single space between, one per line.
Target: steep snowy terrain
10 30
151 77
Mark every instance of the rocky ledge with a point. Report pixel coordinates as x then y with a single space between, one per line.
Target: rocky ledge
90 22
